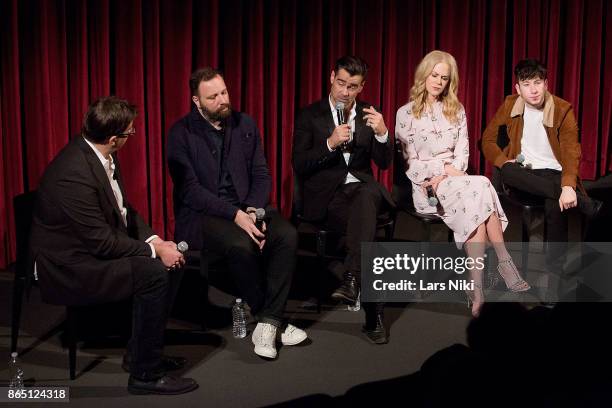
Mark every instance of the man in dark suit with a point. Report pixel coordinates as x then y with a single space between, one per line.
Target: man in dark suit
90 246
220 179
333 159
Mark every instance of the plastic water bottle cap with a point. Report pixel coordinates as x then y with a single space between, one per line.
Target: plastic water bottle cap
14 354
238 300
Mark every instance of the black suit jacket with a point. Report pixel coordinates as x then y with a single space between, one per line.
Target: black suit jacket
195 173
321 171
79 241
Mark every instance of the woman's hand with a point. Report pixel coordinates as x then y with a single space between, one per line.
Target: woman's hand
433 183
453 172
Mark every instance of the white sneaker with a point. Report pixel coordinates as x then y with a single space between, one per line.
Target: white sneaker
264 338
292 335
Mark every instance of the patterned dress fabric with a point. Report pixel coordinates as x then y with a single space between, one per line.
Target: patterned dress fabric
429 143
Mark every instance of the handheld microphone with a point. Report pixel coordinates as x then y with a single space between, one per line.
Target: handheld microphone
341 120
431 196
340 113
260 214
520 159
182 247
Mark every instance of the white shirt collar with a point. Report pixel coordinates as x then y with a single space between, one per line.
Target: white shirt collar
351 116
107 164
333 107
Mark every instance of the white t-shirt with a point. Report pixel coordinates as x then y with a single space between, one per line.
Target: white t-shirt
534 144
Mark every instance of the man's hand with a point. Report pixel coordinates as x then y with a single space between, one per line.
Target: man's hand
568 198
247 223
433 183
375 121
453 172
341 135
170 256
508 161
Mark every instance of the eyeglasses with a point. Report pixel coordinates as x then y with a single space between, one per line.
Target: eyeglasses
128 133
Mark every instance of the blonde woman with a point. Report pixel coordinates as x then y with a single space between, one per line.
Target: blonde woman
433 130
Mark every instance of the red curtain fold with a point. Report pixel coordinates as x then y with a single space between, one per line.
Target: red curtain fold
12 179
59 55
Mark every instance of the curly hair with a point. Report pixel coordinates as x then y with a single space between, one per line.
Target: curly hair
418 93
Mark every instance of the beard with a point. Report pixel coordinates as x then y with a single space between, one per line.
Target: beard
224 111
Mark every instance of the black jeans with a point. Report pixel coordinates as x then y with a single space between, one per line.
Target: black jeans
354 210
154 292
263 278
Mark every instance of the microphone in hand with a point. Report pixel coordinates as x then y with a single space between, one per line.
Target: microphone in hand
431 196
260 214
182 247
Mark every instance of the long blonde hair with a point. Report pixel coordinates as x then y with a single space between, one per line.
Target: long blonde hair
418 93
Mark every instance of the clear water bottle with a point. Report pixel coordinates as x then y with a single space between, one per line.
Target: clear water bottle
357 306
15 372
239 320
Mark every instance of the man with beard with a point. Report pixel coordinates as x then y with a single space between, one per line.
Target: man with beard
220 179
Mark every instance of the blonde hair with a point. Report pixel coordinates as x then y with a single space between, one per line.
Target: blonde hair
418 93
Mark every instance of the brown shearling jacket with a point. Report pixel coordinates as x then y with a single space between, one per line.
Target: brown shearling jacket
561 128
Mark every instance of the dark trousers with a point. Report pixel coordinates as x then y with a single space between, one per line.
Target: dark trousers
153 295
263 278
354 210
546 184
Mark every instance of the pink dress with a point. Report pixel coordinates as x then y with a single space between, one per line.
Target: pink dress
428 144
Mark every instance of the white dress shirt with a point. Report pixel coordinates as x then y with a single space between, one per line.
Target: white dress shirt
109 167
351 121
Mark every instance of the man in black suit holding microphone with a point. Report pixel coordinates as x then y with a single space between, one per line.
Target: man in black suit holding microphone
90 246
335 141
221 188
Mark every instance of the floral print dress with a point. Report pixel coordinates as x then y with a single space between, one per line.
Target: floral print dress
429 143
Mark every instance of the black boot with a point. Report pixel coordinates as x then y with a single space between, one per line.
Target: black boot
374 327
348 291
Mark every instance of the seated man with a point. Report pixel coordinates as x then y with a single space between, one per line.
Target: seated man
90 246
220 178
542 134
333 158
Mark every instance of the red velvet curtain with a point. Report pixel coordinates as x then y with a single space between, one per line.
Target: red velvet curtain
58 55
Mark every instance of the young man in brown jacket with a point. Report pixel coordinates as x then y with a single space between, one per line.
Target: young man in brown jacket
533 140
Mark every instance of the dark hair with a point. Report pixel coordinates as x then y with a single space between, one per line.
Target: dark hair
106 117
353 65
202 75
529 69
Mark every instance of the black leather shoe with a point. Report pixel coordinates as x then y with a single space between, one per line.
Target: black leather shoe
348 291
165 385
168 363
374 327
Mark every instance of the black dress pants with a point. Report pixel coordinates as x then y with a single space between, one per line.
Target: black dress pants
153 295
263 278
354 210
